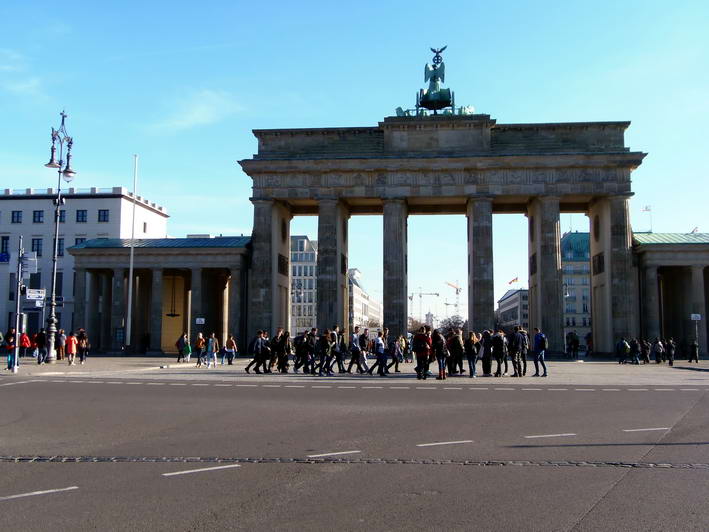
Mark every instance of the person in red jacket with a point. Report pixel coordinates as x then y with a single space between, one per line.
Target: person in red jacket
25 344
421 346
71 345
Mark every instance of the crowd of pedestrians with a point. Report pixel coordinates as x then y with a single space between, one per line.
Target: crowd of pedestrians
639 350
66 346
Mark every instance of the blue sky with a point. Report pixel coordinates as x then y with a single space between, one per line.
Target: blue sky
183 83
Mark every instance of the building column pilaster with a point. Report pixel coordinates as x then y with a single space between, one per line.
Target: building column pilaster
699 306
196 310
79 299
481 288
332 301
156 309
651 304
118 308
236 302
395 235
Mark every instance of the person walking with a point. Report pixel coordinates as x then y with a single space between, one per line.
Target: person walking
379 349
324 351
72 344
440 350
180 346
254 350
60 344
199 345
83 346
541 344
396 351
355 351
633 349
472 348
645 351
212 350
230 350
658 350
694 352
187 350
513 349
499 351
41 341
523 349
421 346
285 348
364 349
670 349
9 344
275 345
299 348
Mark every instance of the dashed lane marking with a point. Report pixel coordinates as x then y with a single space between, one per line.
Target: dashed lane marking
286 386
644 430
584 390
398 387
443 443
558 389
565 434
637 389
610 389
156 383
321 386
33 493
504 389
346 387
202 470
451 388
339 453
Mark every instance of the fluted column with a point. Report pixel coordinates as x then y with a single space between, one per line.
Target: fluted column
699 306
196 310
651 304
395 266
545 290
156 310
332 300
481 288
80 299
623 279
118 309
236 302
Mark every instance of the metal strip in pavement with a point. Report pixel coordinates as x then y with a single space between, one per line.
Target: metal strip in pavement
231 466
33 493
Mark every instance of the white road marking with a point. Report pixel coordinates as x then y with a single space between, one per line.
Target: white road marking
689 389
19 382
126 383
271 385
557 389
178 384
118 382
201 384
32 493
584 390
451 388
664 389
552 435
200 470
610 389
76 382
286 386
155 383
532 389
443 443
637 389
398 387
643 430
245 385
478 388
348 387
332 454
95 382
425 387
505 389
321 386
227 385
370 387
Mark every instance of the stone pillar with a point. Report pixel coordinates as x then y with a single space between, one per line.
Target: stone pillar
236 303
156 311
396 300
93 323
79 299
481 288
269 279
651 304
332 300
105 304
196 310
699 306
545 281
118 308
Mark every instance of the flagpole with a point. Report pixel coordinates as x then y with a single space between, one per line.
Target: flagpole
130 264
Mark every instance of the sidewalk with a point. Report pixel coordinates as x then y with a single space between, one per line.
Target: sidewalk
567 373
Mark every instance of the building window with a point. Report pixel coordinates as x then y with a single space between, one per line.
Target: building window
62 216
13 286
16 217
79 240
598 264
60 247
37 246
60 283
5 244
81 216
37 217
103 215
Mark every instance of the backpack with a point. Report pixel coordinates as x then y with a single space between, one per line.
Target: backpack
498 343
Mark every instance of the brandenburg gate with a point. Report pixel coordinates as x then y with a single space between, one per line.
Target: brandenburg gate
451 163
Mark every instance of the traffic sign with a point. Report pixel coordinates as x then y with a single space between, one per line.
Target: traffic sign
35 294
58 299
4 257
695 317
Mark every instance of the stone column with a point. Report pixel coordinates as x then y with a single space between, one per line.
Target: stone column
481 288
196 310
118 308
156 311
332 300
651 304
545 280
93 323
79 299
623 277
236 302
269 279
699 306
396 300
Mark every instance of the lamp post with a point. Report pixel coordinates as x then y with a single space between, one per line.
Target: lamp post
67 173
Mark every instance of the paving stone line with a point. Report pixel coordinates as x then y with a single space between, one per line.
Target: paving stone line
346 460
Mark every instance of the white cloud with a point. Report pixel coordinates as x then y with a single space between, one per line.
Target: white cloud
28 86
201 108
11 61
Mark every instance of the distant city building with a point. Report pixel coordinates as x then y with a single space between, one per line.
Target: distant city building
513 309
304 258
576 270
365 311
88 214
431 320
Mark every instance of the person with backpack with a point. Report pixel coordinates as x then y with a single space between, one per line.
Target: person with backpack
499 351
84 345
541 344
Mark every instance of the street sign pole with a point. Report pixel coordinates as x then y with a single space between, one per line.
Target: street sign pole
18 289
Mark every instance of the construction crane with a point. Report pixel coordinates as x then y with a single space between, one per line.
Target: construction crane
421 293
455 286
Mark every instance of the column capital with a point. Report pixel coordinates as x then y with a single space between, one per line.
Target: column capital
480 198
697 268
262 201
394 200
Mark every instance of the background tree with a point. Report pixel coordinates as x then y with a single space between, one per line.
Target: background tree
454 322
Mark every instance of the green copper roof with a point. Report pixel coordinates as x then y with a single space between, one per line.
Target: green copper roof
218 242
671 238
575 246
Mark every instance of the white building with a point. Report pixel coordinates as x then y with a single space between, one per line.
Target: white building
304 258
513 309
365 311
87 213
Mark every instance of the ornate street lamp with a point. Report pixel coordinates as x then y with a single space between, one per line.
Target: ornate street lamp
67 173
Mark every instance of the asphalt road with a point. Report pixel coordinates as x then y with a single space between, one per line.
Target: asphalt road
350 454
